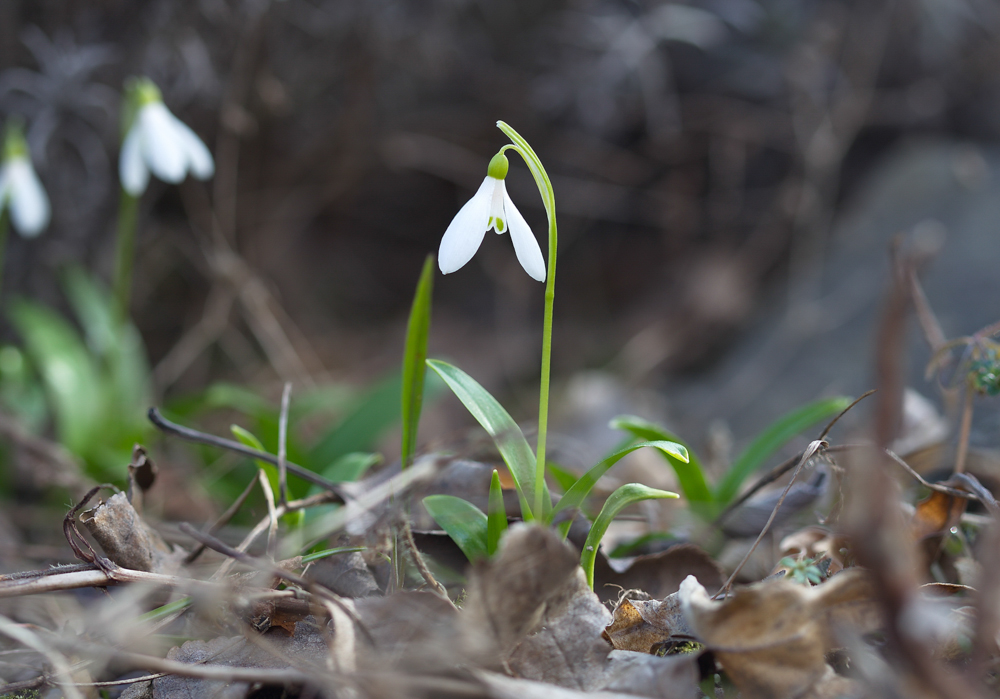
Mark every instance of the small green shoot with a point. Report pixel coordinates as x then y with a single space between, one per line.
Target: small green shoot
773 438
464 522
496 515
414 358
326 553
626 495
804 572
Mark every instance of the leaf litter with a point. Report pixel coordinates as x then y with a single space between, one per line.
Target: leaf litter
881 583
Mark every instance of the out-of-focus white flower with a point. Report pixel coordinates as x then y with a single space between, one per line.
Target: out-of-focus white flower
156 141
20 191
490 207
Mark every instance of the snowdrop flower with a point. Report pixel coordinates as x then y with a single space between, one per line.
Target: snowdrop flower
156 141
490 207
20 190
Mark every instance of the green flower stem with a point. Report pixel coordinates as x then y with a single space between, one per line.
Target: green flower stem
544 185
4 227
128 210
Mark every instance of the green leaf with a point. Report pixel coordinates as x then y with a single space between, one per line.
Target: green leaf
326 553
465 523
564 477
496 515
690 475
626 495
414 358
772 439
376 412
501 427
350 467
575 496
248 438
70 375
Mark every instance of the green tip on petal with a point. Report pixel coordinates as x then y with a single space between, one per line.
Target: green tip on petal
498 167
14 144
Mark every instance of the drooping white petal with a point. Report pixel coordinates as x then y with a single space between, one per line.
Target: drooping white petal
466 231
525 245
161 144
498 219
29 205
132 171
199 159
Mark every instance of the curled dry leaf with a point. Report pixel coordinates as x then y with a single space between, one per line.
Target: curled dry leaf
644 625
508 594
128 540
772 637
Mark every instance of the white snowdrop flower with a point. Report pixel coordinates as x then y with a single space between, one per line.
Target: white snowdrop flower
156 141
490 207
20 191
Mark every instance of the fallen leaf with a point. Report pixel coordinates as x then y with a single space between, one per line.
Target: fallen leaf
772 637
507 595
667 677
568 649
128 540
410 631
644 625
347 574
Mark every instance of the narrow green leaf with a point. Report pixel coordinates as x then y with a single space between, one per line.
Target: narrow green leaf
501 427
375 412
773 438
690 475
575 496
249 439
71 377
464 522
496 515
563 477
326 553
414 358
167 609
620 499
350 467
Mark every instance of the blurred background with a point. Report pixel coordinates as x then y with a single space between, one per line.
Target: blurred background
728 175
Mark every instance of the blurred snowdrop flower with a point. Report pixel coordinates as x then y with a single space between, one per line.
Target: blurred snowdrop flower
20 191
156 141
490 207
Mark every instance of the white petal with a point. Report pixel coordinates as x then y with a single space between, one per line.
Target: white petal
525 245
161 144
466 231
497 216
132 171
29 205
199 159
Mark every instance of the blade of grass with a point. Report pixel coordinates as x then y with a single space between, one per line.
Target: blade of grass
626 495
414 358
773 438
464 522
496 515
501 427
690 475
575 496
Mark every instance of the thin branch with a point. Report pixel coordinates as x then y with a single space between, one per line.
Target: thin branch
26 637
272 516
421 565
810 451
964 430
192 435
224 518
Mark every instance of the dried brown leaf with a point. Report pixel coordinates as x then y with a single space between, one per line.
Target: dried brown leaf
642 625
411 631
507 595
772 637
128 540
568 649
